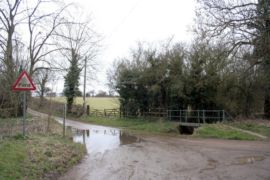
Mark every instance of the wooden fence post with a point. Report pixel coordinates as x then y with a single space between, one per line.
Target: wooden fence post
204 116
180 115
186 115
198 116
88 110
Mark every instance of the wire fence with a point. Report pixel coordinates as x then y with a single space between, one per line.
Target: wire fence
34 125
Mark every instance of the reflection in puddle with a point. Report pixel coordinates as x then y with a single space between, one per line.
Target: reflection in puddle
101 139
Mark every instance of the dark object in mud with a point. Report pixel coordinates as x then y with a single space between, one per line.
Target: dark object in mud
125 138
186 129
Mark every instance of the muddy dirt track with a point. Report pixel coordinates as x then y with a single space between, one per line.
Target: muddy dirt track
176 158
113 154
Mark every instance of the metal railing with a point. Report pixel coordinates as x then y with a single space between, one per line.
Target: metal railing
197 117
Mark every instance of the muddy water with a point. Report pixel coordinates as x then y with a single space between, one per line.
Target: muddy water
98 139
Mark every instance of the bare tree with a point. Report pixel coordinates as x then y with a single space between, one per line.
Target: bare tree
14 45
10 17
78 37
42 77
78 40
245 26
41 27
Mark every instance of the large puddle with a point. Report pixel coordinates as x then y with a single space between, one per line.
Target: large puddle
98 138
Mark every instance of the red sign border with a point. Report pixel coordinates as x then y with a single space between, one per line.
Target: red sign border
19 79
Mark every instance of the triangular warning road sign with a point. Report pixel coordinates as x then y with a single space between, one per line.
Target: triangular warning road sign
23 83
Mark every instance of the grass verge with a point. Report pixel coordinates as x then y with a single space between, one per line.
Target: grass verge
253 126
221 131
37 156
43 154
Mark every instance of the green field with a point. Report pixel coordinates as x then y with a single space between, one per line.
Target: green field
95 102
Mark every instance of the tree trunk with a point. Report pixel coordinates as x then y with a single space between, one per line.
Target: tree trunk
69 104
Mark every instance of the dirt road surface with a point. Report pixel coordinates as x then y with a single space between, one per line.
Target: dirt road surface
114 155
176 158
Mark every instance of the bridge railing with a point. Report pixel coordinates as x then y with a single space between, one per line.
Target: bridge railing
197 117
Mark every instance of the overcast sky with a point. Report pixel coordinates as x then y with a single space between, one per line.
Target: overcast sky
123 23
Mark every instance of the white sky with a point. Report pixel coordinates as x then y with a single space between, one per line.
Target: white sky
123 23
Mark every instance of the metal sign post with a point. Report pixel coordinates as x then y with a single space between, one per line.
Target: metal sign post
24 111
64 119
24 83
